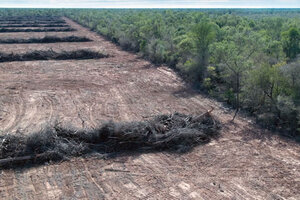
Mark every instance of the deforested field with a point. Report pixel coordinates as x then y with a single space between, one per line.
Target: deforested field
84 91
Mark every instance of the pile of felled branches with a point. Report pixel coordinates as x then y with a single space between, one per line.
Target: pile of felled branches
52 55
32 25
46 39
13 30
164 132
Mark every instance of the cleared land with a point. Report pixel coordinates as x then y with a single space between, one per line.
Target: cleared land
245 163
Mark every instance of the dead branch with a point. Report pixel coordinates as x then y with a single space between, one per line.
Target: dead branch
207 113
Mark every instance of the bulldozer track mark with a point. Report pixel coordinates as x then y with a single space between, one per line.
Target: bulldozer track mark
246 162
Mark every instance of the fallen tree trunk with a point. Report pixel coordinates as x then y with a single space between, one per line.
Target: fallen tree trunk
24 159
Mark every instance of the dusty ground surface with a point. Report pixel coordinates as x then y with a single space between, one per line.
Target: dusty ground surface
245 163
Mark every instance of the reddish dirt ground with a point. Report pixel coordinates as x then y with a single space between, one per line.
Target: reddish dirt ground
245 163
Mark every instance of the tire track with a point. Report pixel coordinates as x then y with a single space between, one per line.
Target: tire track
7 116
30 114
50 107
91 118
123 111
20 108
228 168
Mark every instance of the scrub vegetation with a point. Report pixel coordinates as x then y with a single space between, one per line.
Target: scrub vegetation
247 58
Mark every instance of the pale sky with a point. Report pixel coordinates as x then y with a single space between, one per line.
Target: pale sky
150 3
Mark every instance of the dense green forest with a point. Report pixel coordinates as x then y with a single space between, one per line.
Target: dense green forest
248 58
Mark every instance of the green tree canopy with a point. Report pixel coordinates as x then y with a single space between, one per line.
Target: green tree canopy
291 41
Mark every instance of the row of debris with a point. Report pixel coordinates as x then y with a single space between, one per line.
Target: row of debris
14 30
33 22
32 25
46 39
52 55
175 132
30 18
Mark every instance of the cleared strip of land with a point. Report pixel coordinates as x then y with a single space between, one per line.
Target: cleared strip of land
245 162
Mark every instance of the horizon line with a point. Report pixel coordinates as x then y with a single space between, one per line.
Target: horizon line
159 7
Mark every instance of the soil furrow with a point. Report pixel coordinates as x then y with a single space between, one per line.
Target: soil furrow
247 162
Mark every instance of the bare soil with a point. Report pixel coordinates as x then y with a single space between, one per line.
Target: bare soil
245 163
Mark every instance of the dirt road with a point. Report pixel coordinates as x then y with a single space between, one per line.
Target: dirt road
245 163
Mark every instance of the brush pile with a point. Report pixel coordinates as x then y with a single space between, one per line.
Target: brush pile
52 55
177 132
31 22
32 25
46 39
14 30
31 18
